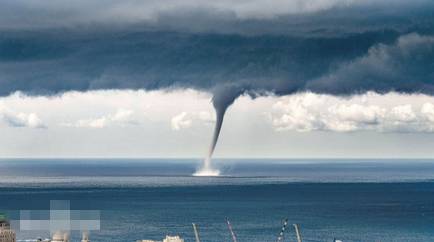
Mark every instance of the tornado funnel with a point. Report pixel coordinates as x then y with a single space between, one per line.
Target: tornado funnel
222 99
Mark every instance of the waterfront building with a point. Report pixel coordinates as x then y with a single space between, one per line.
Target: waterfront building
6 233
173 239
60 237
167 239
85 237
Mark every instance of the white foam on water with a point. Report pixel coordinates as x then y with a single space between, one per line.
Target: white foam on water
207 172
206 169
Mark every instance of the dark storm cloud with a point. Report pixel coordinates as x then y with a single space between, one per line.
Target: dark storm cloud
280 17
61 61
331 46
405 66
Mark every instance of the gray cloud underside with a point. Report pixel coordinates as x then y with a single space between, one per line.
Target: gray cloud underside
225 16
337 47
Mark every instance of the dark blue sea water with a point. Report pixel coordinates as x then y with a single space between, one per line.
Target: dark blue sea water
352 200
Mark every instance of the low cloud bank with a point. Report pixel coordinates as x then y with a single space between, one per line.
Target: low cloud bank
369 112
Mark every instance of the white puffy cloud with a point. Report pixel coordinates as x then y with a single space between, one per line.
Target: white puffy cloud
428 111
385 113
20 119
205 117
403 113
181 121
185 120
121 117
103 109
350 117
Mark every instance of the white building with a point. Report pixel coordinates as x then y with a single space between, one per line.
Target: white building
173 239
60 237
167 239
85 237
6 233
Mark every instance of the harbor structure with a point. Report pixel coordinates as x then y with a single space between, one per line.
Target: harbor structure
173 239
6 233
43 240
60 236
168 238
85 237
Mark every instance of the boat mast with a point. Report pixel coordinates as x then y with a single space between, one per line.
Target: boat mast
280 238
196 233
234 238
297 232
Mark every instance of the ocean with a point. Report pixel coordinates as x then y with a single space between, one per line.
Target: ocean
350 200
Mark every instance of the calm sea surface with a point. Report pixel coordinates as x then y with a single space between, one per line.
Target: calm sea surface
352 200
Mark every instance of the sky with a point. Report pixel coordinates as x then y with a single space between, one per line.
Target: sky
297 79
